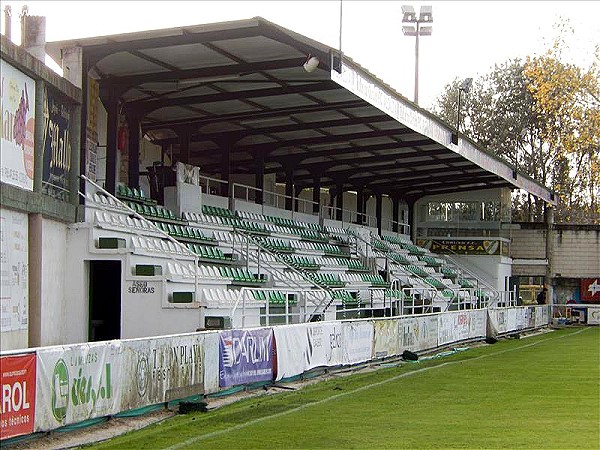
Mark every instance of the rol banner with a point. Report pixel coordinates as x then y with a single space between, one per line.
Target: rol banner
245 356
418 333
17 378
76 383
357 341
158 370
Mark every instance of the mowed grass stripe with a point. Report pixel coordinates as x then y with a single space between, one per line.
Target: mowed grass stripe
506 395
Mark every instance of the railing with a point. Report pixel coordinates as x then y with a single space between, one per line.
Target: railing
151 224
214 182
349 216
319 294
274 199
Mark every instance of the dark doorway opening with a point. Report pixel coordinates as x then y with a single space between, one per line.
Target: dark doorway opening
105 300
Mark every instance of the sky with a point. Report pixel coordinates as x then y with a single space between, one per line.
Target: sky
469 37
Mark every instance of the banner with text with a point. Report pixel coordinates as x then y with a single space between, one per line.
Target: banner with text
418 333
358 341
460 325
17 378
77 382
386 340
245 356
17 104
158 370
590 290
14 276
307 346
57 146
465 246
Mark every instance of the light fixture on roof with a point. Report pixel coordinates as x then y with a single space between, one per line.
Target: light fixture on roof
312 62
409 16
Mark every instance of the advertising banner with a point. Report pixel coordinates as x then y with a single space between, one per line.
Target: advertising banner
157 370
386 338
590 290
418 333
593 315
188 174
17 378
292 345
14 276
358 341
17 104
511 319
325 345
465 246
530 317
211 362
245 356
57 147
76 383
521 315
460 325
499 319
539 315
306 346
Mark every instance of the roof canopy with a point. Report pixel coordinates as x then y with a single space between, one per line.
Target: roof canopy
241 87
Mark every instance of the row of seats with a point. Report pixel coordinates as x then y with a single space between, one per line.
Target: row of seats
126 193
209 252
159 246
240 275
185 232
154 212
275 297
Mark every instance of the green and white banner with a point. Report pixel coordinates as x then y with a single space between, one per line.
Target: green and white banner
77 382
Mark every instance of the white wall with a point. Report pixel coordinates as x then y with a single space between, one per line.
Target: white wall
61 317
494 269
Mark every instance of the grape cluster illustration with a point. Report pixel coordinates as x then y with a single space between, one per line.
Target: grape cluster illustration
21 118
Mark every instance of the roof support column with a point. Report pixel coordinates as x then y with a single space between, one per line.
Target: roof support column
133 147
549 282
339 200
184 134
378 208
259 176
289 187
360 205
225 167
411 219
111 103
395 211
316 192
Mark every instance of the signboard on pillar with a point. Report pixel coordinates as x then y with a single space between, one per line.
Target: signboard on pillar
465 246
56 172
17 105
590 290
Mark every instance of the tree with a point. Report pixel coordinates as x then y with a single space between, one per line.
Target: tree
543 117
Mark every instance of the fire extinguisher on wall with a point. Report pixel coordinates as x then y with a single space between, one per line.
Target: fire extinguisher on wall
122 137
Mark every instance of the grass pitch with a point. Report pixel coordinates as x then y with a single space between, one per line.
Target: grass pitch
539 392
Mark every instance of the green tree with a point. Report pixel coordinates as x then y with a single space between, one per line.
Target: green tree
543 117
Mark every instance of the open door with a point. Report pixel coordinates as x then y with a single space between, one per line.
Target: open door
105 300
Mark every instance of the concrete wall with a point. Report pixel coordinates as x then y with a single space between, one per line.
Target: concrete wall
61 321
576 249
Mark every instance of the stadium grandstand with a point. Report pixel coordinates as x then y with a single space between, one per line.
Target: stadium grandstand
232 176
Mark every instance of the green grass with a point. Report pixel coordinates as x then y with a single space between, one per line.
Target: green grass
540 392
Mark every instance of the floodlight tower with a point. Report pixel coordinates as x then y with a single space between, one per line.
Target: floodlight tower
415 29
465 87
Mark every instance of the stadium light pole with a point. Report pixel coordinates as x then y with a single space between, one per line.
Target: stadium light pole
465 87
409 16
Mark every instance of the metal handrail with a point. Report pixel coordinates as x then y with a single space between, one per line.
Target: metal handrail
155 228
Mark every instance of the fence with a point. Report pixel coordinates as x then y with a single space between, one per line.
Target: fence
51 387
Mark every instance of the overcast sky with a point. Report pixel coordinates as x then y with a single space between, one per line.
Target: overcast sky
468 37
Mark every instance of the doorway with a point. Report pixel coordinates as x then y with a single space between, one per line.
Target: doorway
105 300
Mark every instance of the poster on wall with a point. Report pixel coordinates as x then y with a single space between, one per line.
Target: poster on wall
386 340
245 356
17 378
77 383
418 333
590 290
14 271
162 369
56 171
17 104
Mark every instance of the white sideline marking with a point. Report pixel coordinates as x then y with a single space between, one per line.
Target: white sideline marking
360 389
